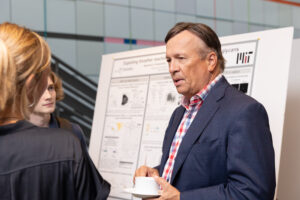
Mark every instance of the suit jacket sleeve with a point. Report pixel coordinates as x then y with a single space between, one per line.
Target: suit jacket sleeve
250 160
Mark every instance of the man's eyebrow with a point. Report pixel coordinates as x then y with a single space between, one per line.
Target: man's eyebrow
178 54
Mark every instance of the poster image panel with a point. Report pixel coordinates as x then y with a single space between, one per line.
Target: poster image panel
240 64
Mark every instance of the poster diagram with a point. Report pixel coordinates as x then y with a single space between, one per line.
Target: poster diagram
120 144
141 99
127 96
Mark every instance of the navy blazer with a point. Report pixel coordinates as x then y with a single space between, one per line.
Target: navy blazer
227 152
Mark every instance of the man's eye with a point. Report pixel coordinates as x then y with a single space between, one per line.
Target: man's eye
168 60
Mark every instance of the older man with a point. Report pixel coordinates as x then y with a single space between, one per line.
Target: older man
218 143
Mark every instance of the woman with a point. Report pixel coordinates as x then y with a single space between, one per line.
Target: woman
43 109
36 163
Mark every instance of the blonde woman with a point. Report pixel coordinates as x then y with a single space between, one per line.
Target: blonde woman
36 163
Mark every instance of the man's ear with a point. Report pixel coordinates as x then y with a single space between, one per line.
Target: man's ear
212 60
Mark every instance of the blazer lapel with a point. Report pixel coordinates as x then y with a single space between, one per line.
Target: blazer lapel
202 119
170 135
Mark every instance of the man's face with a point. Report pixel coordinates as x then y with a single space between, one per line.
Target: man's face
46 104
190 69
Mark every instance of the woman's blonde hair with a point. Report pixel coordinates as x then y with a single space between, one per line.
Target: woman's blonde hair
7 86
24 67
57 85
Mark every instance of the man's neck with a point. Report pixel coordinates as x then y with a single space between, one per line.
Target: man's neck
186 99
40 119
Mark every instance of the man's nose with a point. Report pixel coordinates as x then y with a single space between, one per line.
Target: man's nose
173 66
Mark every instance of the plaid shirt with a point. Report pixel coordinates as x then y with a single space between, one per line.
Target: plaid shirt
192 106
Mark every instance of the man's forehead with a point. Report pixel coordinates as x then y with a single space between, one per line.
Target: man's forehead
184 41
185 37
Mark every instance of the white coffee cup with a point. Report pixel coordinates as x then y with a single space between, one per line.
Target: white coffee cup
146 185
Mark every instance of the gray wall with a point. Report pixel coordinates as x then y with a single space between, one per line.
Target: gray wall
138 19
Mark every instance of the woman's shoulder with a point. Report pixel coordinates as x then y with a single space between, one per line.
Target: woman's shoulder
34 145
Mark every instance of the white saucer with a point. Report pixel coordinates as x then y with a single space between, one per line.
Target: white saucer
140 195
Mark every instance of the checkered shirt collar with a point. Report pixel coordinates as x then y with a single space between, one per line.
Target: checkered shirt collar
200 96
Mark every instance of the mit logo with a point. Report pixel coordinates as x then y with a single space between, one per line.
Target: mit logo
243 57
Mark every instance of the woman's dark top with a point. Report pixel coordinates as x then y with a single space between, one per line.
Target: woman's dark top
42 164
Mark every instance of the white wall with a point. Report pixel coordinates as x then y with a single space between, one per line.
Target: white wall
289 174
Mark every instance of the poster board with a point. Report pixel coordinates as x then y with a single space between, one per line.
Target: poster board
136 97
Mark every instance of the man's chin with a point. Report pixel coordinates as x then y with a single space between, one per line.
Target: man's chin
181 91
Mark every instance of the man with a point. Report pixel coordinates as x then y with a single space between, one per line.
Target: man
218 143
